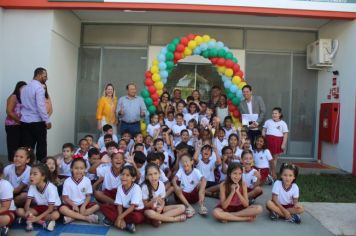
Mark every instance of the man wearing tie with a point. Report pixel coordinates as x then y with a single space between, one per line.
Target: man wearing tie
253 105
131 109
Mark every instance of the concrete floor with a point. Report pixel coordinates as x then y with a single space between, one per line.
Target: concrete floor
201 226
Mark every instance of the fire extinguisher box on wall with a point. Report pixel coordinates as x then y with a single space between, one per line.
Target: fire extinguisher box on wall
329 122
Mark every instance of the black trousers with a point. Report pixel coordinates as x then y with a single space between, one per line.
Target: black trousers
253 134
13 140
34 135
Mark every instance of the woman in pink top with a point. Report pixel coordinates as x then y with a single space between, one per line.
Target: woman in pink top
12 121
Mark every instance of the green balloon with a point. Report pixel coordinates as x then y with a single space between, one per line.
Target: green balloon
205 54
145 93
230 95
176 41
229 55
169 56
148 101
235 60
236 101
221 53
170 64
152 109
171 47
213 52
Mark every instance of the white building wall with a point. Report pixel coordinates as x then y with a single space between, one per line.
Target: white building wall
41 38
340 155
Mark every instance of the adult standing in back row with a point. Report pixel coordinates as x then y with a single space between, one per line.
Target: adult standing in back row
131 108
34 117
253 105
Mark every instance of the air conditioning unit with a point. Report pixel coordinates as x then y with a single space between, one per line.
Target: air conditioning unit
320 54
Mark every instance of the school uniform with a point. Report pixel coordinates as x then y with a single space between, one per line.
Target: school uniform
176 129
250 179
220 144
6 194
111 181
189 116
207 169
274 135
14 179
189 184
101 142
159 192
262 159
44 197
77 191
285 196
64 169
151 129
169 123
126 198
228 132
168 160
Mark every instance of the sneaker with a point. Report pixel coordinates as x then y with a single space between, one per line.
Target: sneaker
269 180
19 220
295 219
29 226
49 225
107 222
67 220
251 201
94 219
130 228
4 231
273 215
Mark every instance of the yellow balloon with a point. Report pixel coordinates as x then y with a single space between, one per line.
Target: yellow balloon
143 126
236 79
160 91
156 77
221 69
206 38
192 44
155 62
154 69
229 72
198 39
187 51
159 85
241 85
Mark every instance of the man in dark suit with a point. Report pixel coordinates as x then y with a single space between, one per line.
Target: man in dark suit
253 105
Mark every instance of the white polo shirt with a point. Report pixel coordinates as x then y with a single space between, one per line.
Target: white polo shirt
176 129
151 129
111 181
249 178
275 128
159 192
262 158
14 179
64 168
220 144
77 190
7 193
285 196
207 169
132 196
189 182
45 197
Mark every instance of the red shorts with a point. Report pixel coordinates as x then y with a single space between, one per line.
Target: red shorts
111 193
192 197
264 172
232 208
288 206
274 144
110 212
11 215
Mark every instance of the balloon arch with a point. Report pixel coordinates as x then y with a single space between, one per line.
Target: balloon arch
218 54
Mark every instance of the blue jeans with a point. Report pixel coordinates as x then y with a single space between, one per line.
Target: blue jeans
132 128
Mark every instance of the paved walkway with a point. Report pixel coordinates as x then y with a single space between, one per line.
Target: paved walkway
199 226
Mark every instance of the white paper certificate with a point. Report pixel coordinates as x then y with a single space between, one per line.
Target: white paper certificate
246 118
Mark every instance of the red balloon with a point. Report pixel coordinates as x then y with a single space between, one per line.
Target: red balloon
184 41
232 108
175 61
151 89
155 97
214 60
229 102
149 82
191 36
221 61
236 67
178 56
155 103
148 74
236 113
240 73
229 63
180 48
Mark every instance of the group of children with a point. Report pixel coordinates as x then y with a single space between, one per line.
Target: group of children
134 180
